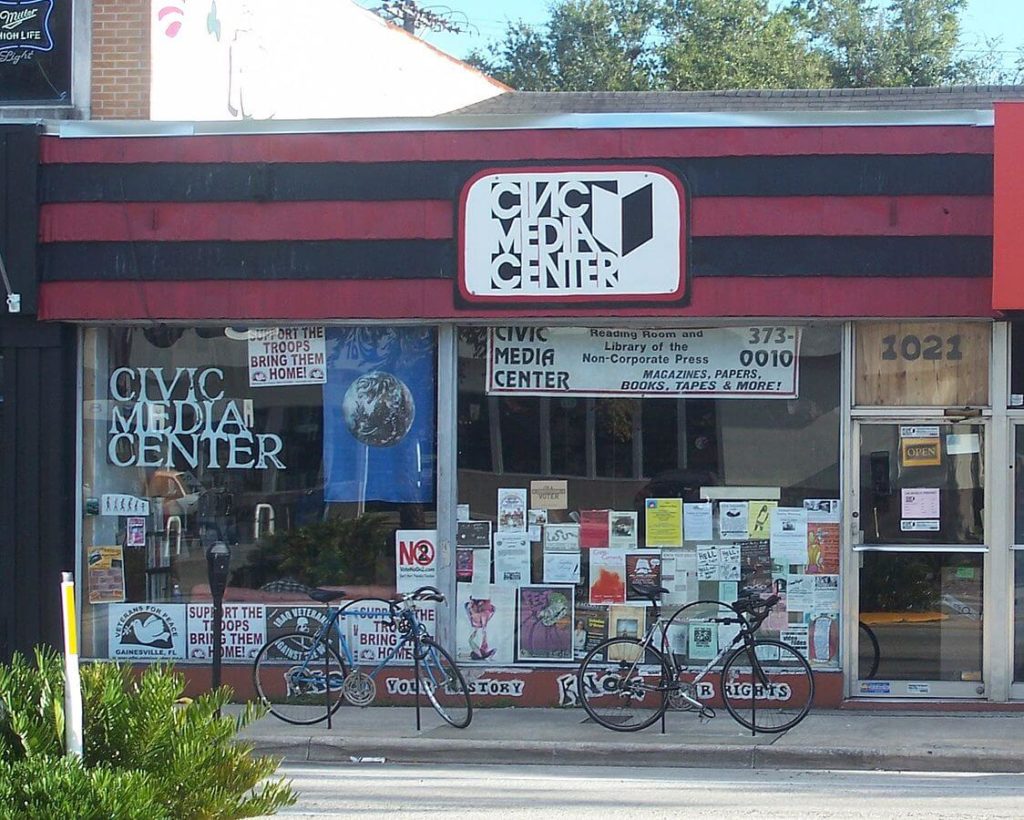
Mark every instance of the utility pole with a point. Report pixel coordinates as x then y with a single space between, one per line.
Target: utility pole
412 16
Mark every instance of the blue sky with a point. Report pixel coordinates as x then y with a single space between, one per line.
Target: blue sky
983 18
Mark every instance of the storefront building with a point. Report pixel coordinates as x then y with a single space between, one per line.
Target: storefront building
532 362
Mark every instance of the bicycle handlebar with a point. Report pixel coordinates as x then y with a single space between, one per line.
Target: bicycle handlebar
426 593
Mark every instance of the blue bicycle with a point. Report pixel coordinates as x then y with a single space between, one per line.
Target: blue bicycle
303 679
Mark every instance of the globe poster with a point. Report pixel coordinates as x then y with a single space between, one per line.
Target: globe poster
379 408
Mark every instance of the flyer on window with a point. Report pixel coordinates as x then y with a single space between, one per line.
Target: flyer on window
105 574
511 510
485 625
595 526
759 518
590 628
663 522
623 530
511 558
789 535
473 534
733 517
643 569
545 623
562 538
607 576
698 522
823 548
561 567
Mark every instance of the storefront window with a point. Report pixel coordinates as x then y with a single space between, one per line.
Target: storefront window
702 460
303 449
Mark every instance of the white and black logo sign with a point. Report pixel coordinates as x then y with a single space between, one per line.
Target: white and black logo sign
557 235
146 631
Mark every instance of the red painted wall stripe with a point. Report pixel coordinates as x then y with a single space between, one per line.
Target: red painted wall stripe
244 221
1008 205
434 219
716 297
524 145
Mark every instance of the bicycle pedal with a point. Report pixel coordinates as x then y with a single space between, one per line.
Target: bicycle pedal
707 714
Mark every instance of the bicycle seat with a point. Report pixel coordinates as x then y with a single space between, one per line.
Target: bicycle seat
749 603
325 596
649 592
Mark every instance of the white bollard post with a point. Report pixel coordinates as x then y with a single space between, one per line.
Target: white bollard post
72 680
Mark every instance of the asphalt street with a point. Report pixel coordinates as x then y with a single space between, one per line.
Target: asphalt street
512 791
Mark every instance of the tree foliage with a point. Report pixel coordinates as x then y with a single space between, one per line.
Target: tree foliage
641 45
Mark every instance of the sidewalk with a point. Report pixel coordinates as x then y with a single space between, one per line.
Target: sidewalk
986 742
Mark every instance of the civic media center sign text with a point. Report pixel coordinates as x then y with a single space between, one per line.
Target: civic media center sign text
573 235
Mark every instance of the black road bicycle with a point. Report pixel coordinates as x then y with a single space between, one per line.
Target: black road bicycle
627 683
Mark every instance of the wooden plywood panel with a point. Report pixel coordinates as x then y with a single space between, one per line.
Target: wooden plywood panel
927 364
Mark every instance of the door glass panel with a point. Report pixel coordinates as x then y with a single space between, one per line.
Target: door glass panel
925 610
922 484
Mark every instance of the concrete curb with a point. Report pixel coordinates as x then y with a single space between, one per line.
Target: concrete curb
574 753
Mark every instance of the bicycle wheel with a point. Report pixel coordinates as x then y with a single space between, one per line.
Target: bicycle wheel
767 686
623 684
298 678
443 684
869 652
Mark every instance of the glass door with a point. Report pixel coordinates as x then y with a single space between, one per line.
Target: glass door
1017 688
921 550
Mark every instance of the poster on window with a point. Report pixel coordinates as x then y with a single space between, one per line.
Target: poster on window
298 618
284 356
545 623
720 362
823 548
511 558
106 575
643 569
485 625
415 559
379 408
243 633
607 576
373 640
146 632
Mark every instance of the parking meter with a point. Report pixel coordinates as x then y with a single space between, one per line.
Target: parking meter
218 561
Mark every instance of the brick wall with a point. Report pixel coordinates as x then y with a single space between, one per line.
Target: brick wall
120 59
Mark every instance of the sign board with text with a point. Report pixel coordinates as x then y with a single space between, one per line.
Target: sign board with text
573 235
922 364
718 362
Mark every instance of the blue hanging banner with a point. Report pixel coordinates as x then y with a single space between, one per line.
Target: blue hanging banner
379 414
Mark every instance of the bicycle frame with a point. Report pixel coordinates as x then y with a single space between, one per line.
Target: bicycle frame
415 633
745 636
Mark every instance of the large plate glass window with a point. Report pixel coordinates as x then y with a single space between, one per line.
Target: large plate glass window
309 451
592 458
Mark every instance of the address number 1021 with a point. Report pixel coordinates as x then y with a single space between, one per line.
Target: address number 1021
911 348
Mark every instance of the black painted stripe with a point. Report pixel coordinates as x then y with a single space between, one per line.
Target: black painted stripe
436 259
153 261
958 174
842 256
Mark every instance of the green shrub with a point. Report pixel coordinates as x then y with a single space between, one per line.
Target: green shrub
137 732
45 788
